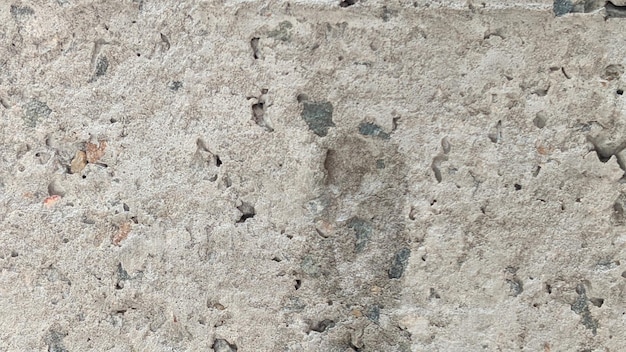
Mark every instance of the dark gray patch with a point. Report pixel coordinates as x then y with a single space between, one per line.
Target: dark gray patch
362 230
55 341
21 12
581 307
175 85
400 261
102 66
388 13
562 7
380 164
294 304
516 286
221 345
373 313
319 116
282 32
371 129
34 111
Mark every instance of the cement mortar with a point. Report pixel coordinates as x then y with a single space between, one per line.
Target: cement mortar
312 176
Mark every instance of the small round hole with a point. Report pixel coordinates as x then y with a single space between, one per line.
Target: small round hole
518 186
619 91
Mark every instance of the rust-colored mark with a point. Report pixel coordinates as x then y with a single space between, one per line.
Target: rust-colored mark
121 234
546 347
95 151
50 201
79 162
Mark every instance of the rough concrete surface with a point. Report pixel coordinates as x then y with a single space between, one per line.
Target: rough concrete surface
312 176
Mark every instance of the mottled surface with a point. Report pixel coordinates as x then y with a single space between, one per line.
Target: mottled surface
312 176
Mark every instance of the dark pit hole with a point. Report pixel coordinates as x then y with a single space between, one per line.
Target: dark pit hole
38 154
330 302
254 44
619 92
549 289
298 284
138 54
247 212
65 240
302 98
423 258
578 200
323 325
84 176
218 161
15 254
126 207
598 302
535 305
518 187
433 202
623 274
134 219
276 259
113 120
346 3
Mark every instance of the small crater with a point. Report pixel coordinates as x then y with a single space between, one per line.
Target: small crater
433 294
55 189
221 345
496 132
256 50
298 284
598 302
247 211
613 72
619 92
540 119
346 3
517 186
322 325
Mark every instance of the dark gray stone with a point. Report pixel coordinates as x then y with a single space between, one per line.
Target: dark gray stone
319 117
371 129
400 261
362 230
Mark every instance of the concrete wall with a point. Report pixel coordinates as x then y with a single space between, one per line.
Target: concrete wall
304 176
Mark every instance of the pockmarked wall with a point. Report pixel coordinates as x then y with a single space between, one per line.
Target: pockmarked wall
312 175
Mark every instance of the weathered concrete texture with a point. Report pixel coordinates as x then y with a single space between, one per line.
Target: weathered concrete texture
312 176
